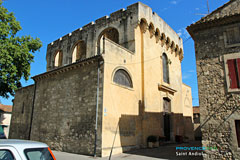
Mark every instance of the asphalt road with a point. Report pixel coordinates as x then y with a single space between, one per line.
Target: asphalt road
166 152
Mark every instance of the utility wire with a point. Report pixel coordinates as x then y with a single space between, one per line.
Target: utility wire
134 62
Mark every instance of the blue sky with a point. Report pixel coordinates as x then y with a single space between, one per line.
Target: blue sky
51 19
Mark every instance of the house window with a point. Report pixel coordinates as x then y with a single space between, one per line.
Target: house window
232 71
58 59
121 77
165 68
237 126
79 51
232 37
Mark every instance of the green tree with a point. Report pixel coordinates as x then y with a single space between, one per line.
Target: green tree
15 53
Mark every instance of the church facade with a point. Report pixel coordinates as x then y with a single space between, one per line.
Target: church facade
109 85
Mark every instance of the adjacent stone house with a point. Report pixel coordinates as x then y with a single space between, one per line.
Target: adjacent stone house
115 81
5 118
217 49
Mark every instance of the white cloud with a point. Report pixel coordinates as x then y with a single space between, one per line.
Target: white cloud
183 33
164 9
191 71
173 2
186 76
180 34
197 9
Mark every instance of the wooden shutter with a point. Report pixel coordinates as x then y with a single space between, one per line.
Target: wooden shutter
238 71
232 74
237 126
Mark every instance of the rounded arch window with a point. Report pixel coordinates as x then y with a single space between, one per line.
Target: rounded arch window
165 68
58 59
122 77
110 33
79 51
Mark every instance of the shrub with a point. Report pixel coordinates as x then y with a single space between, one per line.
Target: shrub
152 139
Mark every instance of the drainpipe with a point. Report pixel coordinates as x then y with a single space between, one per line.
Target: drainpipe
31 120
96 125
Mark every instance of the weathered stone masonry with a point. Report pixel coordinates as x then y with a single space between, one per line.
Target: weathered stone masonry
64 109
20 124
134 99
219 108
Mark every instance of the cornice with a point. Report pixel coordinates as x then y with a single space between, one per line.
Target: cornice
165 88
69 67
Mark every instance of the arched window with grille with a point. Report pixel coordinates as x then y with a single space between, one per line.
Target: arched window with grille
122 78
165 68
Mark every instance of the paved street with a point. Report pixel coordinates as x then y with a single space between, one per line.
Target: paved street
162 153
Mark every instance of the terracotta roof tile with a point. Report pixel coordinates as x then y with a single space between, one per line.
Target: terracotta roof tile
196 109
216 14
6 108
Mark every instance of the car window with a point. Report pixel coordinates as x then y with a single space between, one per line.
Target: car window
6 155
38 154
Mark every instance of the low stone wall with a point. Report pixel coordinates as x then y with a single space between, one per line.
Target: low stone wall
21 113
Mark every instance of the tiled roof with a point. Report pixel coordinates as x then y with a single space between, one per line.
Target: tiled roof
224 14
5 108
216 14
196 109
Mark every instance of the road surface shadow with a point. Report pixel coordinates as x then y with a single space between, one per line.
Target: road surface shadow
171 152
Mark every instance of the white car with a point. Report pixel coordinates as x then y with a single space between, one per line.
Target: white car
11 149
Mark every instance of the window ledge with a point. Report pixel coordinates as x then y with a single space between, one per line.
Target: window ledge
232 45
233 90
165 88
122 86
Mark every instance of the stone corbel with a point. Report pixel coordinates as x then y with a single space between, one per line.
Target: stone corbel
166 89
168 43
143 26
152 33
163 39
172 46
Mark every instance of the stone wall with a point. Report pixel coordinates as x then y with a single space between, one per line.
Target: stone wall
21 113
122 20
64 109
218 107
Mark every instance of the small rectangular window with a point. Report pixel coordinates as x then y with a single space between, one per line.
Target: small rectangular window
237 126
233 36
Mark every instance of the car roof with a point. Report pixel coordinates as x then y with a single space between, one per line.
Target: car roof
22 143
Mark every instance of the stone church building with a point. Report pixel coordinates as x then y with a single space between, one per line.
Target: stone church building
217 49
117 80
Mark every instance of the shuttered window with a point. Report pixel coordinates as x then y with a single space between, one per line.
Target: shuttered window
237 126
233 35
234 73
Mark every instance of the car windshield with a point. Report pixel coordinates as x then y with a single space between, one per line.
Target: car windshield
38 154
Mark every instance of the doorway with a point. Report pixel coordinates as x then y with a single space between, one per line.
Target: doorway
167 118
167 126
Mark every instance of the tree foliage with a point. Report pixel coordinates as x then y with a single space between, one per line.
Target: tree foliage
15 53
